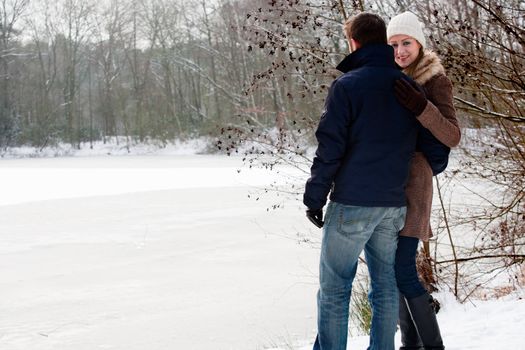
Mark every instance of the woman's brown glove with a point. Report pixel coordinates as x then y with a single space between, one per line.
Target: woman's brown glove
411 96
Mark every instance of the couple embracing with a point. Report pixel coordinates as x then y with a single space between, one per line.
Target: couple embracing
386 129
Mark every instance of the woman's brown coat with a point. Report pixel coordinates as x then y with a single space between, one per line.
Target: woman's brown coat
439 117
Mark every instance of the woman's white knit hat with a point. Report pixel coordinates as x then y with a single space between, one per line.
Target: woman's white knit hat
406 23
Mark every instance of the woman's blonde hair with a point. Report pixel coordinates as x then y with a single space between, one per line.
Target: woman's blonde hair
411 69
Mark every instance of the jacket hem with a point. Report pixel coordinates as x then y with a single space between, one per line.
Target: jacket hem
396 204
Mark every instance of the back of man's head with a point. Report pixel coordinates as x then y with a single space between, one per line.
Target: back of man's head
366 28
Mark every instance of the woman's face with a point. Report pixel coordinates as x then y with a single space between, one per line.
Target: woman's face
406 49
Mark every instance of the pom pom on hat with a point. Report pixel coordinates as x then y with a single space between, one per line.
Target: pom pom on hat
406 23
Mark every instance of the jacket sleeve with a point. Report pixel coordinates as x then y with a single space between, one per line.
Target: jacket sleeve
439 116
434 150
332 136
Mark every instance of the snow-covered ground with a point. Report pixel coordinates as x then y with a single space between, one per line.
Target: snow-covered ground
168 252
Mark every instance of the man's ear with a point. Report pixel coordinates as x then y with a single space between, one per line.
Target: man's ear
354 44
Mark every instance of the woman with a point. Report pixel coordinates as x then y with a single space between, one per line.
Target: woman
434 109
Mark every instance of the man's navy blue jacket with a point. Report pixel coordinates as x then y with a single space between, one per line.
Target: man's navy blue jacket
366 138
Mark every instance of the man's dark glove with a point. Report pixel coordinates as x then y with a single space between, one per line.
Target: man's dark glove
411 96
315 216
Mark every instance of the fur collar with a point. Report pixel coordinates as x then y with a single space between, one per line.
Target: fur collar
429 66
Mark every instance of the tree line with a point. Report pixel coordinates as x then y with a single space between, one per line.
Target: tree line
82 70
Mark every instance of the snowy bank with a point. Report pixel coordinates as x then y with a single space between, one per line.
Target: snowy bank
114 146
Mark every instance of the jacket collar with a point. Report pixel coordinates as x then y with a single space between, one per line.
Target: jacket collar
369 55
429 66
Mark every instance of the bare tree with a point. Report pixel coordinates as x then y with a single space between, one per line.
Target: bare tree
43 126
10 14
72 27
482 47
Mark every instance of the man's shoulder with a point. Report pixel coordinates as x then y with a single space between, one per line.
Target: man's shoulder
351 78
364 79
365 73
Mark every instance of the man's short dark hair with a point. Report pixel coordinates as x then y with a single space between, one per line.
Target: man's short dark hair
366 28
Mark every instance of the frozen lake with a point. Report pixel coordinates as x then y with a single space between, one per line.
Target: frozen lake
162 252
168 252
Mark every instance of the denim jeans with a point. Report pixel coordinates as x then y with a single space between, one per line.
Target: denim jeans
406 271
348 230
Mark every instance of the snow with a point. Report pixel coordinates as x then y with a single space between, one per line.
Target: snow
490 324
147 252
57 178
166 251
120 146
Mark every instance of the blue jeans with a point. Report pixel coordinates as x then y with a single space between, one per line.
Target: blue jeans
406 271
348 230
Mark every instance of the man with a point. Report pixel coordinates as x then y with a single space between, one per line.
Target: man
366 141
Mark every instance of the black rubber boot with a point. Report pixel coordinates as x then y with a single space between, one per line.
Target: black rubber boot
424 317
435 305
409 336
